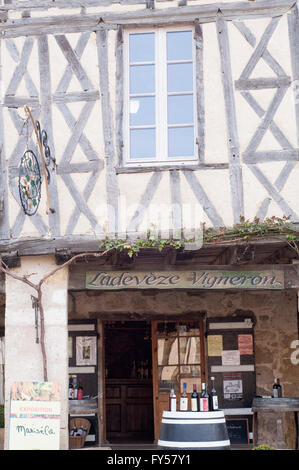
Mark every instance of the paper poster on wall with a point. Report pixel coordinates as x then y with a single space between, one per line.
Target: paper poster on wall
86 350
245 344
232 386
34 422
231 358
215 345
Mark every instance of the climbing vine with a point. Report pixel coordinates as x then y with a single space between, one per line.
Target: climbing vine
244 231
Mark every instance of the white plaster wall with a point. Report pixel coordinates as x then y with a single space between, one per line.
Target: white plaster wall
215 183
23 358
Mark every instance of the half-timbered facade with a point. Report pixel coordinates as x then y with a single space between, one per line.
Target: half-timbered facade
154 115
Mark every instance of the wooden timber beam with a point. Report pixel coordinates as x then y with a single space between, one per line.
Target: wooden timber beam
142 17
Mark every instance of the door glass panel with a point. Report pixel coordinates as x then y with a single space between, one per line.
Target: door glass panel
168 375
166 329
190 350
190 383
168 351
189 329
190 371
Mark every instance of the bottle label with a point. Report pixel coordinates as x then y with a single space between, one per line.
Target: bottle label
173 404
194 404
275 393
204 404
184 404
215 402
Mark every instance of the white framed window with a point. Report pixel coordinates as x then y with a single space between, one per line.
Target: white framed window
159 97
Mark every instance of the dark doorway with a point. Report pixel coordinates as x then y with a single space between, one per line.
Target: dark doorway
128 381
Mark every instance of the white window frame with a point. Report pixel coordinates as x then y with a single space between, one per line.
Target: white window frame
162 158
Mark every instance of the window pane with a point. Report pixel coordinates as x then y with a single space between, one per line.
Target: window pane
180 109
179 77
166 376
142 79
143 143
189 329
142 47
142 111
166 329
179 45
190 383
190 350
181 142
168 351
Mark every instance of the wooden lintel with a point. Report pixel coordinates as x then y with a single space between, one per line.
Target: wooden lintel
27 246
141 17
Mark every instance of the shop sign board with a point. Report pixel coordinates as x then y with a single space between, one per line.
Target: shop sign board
34 422
205 279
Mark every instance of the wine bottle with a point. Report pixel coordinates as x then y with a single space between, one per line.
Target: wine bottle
80 391
277 390
75 388
172 399
194 399
204 399
184 399
71 391
213 397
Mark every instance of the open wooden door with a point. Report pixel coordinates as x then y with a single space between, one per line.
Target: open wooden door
178 357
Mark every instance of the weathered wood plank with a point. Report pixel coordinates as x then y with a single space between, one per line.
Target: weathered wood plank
47 124
68 73
266 56
84 143
158 168
176 201
275 195
260 48
21 67
80 201
276 132
198 36
74 62
14 53
271 156
293 23
108 131
86 194
94 22
84 167
73 97
144 202
262 83
236 179
77 132
119 94
266 121
20 101
203 199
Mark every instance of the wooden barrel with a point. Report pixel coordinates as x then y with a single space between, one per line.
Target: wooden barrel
194 430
